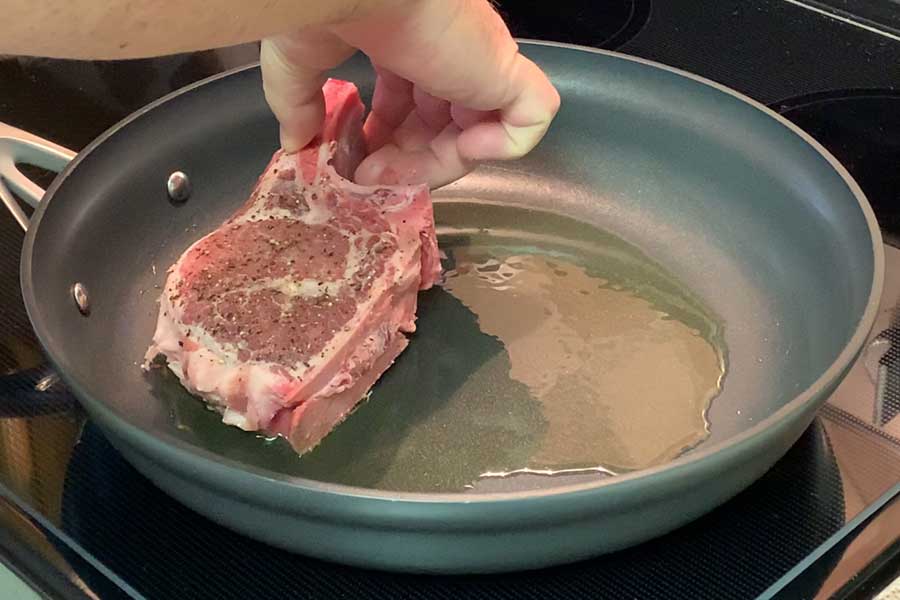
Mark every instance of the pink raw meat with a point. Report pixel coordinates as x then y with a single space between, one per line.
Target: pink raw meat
284 317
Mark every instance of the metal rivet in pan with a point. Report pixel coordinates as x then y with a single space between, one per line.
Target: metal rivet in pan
178 186
79 292
46 382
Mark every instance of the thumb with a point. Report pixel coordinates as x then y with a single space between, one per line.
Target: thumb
293 70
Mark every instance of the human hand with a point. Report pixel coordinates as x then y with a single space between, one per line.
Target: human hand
451 89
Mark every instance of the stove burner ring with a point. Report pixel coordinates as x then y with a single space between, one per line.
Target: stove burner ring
606 25
861 128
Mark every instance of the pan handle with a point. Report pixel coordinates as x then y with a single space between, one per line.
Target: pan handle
17 147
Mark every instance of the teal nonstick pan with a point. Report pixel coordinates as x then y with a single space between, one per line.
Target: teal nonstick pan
667 189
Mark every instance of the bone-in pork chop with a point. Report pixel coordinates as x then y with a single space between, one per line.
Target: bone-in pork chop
285 316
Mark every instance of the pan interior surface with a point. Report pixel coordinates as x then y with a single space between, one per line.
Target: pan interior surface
735 219
529 362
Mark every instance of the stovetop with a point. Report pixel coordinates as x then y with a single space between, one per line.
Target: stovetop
79 522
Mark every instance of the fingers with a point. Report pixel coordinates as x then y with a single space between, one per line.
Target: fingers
467 117
293 69
403 112
475 97
426 120
408 136
433 111
461 51
520 124
436 163
391 103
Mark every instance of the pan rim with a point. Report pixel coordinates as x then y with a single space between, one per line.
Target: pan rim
185 452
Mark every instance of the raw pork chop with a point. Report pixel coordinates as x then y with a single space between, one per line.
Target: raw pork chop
284 317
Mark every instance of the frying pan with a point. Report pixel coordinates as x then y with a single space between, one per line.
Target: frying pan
743 207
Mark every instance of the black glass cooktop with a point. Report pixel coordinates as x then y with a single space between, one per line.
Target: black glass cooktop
585 22
862 129
881 14
79 522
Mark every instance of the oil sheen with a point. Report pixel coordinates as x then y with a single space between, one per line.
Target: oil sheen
551 348
620 383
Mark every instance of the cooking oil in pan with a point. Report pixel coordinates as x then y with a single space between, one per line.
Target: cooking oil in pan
621 384
551 348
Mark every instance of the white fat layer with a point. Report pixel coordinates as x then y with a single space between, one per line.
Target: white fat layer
296 288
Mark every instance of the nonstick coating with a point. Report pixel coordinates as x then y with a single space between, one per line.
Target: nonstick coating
750 213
